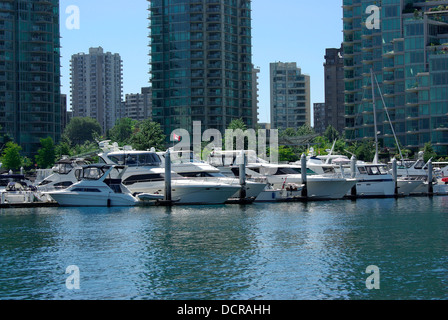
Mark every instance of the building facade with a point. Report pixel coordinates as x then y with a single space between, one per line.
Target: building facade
255 96
406 50
138 106
320 123
334 89
201 63
290 96
30 97
97 86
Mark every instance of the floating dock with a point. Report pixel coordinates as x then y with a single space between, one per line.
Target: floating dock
29 205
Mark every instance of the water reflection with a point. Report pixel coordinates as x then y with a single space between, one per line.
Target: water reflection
198 253
317 250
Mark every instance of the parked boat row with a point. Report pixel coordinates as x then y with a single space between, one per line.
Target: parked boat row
128 177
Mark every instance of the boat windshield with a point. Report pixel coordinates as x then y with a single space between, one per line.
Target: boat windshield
202 174
420 164
282 171
92 173
136 159
63 168
373 170
383 169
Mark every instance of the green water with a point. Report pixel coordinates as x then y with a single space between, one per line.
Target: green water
290 251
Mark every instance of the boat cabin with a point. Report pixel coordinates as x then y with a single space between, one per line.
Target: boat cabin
372 169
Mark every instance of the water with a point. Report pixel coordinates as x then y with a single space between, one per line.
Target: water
290 251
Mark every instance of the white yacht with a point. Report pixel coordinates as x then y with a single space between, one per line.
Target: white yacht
65 172
100 186
279 176
417 170
145 174
227 163
202 171
9 179
441 174
320 187
373 179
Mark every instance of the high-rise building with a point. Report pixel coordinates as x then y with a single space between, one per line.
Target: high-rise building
290 96
97 86
320 124
138 106
201 63
64 116
334 90
404 43
255 96
30 105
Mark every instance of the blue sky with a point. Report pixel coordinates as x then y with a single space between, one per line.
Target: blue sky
283 30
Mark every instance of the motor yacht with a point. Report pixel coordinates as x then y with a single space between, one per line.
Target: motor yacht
373 179
65 172
100 186
10 179
146 174
197 170
278 176
417 170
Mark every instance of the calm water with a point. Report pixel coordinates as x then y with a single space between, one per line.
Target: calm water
285 251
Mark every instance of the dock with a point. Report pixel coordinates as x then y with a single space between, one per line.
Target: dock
29 205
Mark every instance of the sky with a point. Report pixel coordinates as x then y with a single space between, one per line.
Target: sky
282 30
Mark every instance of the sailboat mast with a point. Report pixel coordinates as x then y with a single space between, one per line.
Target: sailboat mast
375 160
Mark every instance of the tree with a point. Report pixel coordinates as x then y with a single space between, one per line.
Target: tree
79 130
149 134
237 124
331 134
365 151
63 148
123 130
429 152
288 132
286 154
305 130
46 155
11 158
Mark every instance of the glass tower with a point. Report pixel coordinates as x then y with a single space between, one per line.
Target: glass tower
201 63
290 96
407 53
30 98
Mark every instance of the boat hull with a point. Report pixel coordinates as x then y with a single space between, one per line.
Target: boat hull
406 187
253 190
320 187
74 199
375 189
189 193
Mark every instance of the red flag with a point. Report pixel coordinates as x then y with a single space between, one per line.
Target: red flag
176 137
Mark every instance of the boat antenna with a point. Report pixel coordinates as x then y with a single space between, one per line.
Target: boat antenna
388 117
375 159
331 152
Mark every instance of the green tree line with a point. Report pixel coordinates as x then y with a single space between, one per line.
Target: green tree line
81 136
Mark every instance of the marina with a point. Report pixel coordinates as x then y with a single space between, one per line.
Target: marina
140 225
128 177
